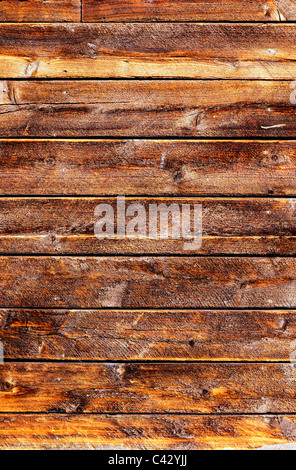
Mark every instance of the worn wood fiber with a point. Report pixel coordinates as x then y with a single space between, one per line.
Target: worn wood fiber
160 282
147 388
147 108
39 10
184 10
185 50
178 335
67 226
131 432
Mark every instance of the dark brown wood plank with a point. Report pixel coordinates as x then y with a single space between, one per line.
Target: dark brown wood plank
178 335
131 432
153 388
185 50
188 10
161 282
147 108
139 167
39 11
67 226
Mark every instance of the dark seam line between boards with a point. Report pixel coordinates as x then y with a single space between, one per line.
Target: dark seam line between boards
141 78
152 414
55 255
61 23
110 138
142 255
154 22
193 139
148 196
142 361
160 309
155 138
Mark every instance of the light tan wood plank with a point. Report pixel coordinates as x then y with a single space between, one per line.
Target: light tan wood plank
178 335
155 167
69 226
164 432
160 282
148 108
179 50
147 388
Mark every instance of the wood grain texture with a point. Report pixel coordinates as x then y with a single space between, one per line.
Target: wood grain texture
178 335
161 282
184 10
39 10
151 167
67 297
155 108
67 226
185 50
147 388
132 432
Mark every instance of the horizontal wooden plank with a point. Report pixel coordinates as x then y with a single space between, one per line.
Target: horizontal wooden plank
67 226
131 432
39 10
139 167
184 10
148 334
147 108
185 50
160 282
147 388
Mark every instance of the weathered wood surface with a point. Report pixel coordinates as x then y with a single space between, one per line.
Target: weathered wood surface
160 282
165 432
147 388
67 226
147 108
39 10
178 335
185 50
184 10
147 167
58 310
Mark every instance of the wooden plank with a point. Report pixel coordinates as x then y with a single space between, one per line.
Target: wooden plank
178 335
135 432
147 388
180 50
39 11
184 10
160 282
147 108
139 167
67 226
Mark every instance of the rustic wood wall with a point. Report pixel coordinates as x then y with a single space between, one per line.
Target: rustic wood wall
136 344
